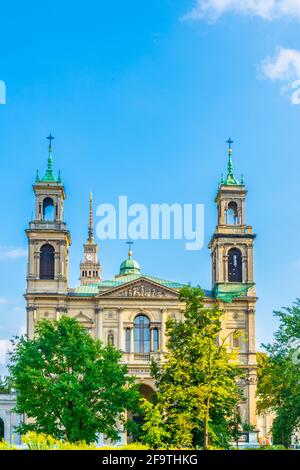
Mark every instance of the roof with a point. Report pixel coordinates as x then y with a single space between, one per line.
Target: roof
94 289
129 266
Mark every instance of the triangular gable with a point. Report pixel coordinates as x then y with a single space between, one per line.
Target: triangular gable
82 318
141 288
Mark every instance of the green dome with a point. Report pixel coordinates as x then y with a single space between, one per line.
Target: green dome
129 266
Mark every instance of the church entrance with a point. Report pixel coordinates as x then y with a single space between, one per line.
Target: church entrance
148 393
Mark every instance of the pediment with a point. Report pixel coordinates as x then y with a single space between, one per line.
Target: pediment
141 288
82 318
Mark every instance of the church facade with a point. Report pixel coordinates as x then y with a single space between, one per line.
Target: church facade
130 311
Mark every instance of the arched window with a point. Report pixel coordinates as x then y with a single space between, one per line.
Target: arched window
232 214
142 334
155 340
235 265
1 429
110 339
48 209
127 339
47 262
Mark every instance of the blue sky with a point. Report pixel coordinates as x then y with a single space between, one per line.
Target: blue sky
141 97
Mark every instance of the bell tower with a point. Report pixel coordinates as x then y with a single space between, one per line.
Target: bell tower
48 237
233 285
90 268
232 242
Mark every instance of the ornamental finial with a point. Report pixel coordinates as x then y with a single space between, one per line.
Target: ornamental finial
230 180
50 138
230 165
130 242
49 176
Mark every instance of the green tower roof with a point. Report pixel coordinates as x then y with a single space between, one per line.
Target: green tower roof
49 175
231 179
129 266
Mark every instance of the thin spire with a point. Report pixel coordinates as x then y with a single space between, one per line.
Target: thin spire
49 176
91 224
230 180
230 164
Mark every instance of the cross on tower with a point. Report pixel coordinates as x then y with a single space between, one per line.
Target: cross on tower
229 142
130 242
50 138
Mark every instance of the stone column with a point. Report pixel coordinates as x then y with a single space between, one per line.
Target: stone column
56 263
243 212
244 268
31 317
121 329
62 258
251 330
37 264
99 323
151 339
220 264
252 379
132 340
225 273
163 328
250 263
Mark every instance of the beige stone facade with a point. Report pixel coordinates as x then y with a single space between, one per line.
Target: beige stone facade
131 310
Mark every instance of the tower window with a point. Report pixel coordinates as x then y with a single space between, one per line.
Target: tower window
142 334
232 214
235 265
48 209
47 262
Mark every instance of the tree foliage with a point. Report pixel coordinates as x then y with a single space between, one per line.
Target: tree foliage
197 384
279 375
4 385
68 384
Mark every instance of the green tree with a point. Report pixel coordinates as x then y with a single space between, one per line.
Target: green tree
68 384
197 384
4 385
279 376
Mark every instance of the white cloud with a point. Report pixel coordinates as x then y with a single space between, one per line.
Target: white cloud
266 9
12 253
3 301
19 309
284 67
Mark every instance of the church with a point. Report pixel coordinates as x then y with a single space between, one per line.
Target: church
130 310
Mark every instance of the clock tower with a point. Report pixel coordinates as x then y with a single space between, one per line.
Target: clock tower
90 268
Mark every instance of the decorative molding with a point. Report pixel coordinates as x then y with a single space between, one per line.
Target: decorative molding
141 288
82 318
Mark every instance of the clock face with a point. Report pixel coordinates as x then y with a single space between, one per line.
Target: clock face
89 257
